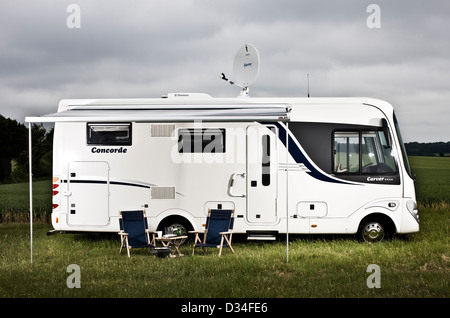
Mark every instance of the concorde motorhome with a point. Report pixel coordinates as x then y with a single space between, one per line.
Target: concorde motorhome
303 165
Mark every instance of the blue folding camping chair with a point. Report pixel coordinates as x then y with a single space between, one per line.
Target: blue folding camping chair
134 232
218 231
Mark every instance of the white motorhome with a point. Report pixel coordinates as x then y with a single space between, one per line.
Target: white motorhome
302 165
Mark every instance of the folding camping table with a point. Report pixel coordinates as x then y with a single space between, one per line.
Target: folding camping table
172 240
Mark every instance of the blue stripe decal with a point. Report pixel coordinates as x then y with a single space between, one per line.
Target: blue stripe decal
299 157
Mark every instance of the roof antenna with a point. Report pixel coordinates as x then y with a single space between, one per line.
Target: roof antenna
307 79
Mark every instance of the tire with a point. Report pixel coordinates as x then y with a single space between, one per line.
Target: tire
372 231
176 223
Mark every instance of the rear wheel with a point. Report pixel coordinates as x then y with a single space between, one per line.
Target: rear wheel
178 224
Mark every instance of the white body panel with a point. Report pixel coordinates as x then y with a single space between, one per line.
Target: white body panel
96 181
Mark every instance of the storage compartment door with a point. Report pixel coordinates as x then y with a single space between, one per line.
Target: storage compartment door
88 186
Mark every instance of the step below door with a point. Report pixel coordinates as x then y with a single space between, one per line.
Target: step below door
88 187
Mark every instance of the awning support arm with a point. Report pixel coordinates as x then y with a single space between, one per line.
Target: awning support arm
30 172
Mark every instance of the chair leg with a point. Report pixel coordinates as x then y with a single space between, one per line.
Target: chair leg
121 244
195 242
154 239
221 246
128 247
229 243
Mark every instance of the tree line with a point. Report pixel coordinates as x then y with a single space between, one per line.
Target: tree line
440 149
14 151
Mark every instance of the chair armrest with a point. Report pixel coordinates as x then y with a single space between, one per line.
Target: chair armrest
197 231
121 232
224 233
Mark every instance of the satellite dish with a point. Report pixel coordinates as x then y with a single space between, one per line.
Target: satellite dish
246 66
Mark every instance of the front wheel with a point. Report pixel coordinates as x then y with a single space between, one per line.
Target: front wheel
372 232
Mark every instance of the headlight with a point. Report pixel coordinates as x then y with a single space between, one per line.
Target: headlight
412 208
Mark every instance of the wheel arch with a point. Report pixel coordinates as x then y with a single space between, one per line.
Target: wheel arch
386 221
175 218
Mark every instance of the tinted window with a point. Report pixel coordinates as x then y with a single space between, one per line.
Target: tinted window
109 134
265 160
362 152
211 140
346 152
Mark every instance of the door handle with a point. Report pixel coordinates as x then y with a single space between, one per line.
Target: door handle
231 184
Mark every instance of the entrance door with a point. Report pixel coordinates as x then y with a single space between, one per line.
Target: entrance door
262 173
88 193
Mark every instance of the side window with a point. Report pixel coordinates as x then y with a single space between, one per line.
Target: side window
387 154
265 160
211 140
346 152
376 154
369 149
109 134
362 152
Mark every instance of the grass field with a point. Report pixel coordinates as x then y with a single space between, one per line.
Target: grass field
15 202
432 179
416 265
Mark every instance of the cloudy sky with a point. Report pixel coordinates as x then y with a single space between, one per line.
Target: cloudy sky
397 51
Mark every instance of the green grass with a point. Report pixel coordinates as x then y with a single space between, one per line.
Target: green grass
15 202
432 179
415 265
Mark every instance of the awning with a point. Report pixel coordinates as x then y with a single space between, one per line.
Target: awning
169 113
101 111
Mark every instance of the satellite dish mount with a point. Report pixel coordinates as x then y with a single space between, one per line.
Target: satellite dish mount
245 68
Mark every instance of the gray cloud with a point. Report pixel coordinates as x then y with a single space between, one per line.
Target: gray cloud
148 48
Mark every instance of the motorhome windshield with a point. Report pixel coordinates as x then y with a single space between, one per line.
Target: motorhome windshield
402 145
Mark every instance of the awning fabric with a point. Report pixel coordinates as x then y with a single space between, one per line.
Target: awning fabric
169 113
